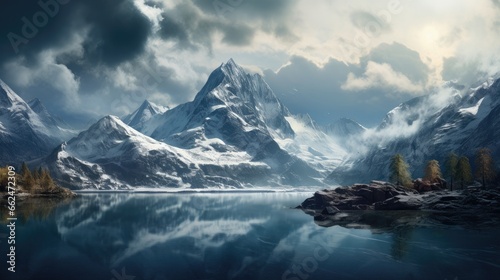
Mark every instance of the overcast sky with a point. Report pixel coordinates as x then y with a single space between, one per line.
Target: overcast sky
331 59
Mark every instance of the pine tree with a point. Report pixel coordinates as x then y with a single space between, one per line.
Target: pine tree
464 173
36 175
46 182
451 167
432 171
4 178
399 171
485 170
27 178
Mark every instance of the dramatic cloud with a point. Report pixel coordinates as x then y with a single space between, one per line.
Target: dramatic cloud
381 76
340 90
325 58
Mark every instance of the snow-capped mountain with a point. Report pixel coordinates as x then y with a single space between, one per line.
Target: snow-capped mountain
26 133
144 113
233 105
430 127
344 128
112 155
238 112
48 119
234 134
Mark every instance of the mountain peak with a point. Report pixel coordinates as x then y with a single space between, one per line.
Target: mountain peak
110 121
7 96
232 69
345 127
231 63
145 112
109 128
152 107
110 125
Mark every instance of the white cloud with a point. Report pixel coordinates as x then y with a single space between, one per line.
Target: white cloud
406 120
49 72
153 13
381 76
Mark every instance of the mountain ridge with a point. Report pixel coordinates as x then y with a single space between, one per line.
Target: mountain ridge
469 120
25 134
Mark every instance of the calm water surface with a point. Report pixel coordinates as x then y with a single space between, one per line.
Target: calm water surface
233 236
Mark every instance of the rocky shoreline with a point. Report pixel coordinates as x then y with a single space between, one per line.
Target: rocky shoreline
344 205
56 192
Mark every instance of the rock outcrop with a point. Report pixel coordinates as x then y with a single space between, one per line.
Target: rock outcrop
473 207
374 196
335 206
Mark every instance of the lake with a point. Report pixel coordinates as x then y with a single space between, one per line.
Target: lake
122 236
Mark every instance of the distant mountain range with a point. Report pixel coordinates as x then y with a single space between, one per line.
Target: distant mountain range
237 134
429 127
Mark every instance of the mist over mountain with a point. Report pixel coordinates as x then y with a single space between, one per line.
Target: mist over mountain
452 119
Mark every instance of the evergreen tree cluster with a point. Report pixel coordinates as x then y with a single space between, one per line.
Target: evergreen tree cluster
38 180
457 169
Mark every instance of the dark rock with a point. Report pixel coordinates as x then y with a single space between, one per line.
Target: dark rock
356 197
399 203
330 210
379 195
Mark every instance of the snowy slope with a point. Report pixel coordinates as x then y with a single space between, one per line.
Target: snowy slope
143 114
344 128
24 133
430 127
112 155
311 144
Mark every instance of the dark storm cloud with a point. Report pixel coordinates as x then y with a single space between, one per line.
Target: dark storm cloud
20 36
62 50
190 28
238 35
117 29
256 9
236 20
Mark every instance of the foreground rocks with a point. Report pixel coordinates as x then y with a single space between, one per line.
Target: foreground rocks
337 206
54 192
379 195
